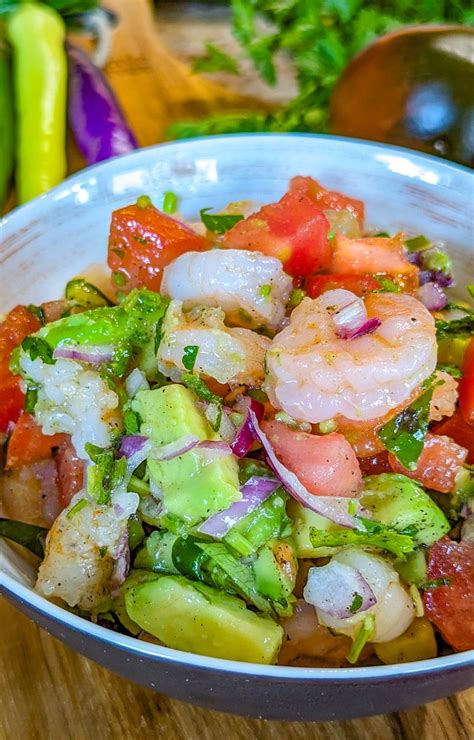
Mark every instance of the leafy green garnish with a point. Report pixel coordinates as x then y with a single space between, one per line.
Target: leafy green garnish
387 285
170 202
37 347
453 370
131 421
31 397
383 539
38 312
463 325
28 535
106 474
435 583
200 388
296 296
118 278
189 356
405 434
219 223
264 291
356 603
78 506
364 634
216 60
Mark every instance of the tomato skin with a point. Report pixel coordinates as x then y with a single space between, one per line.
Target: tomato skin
28 444
70 472
374 255
329 199
462 433
359 284
18 324
325 464
294 230
466 385
438 464
142 241
451 607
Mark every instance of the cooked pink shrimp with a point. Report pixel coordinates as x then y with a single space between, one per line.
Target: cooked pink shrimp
314 375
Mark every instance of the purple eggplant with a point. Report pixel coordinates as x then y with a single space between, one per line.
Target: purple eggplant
96 119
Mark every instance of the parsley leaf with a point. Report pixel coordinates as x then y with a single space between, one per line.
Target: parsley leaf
219 223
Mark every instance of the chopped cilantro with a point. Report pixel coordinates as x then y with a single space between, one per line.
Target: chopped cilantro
37 347
382 538
76 508
38 312
200 388
118 278
189 356
296 296
31 397
415 243
264 291
381 234
387 285
435 583
451 369
356 603
219 223
131 422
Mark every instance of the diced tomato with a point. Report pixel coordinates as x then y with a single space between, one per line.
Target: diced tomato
359 284
28 444
374 255
70 469
451 607
18 324
294 230
329 199
142 241
375 464
30 493
438 465
326 464
462 433
466 385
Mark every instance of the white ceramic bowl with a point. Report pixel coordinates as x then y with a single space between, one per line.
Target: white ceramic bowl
49 240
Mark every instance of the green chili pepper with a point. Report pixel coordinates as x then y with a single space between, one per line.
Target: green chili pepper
36 33
6 123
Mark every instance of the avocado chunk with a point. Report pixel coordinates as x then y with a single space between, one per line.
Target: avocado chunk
400 503
304 520
118 605
193 487
197 618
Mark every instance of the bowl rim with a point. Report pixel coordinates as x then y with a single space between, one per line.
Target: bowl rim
19 592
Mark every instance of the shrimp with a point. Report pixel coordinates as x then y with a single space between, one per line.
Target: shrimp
394 610
314 375
234 356
251 288
74 400
85 548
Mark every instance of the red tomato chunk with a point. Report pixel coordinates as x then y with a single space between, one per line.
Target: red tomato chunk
327 199
438 465
358 284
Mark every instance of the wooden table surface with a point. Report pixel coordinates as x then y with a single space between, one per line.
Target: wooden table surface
46 690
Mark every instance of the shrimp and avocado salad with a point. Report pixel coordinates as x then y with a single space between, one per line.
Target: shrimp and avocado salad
252 441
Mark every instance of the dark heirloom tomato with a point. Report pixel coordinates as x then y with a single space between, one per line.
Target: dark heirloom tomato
294 230
142 241
327 199
359 284
451 607
466 385
28 444
462 433
438 465
17 325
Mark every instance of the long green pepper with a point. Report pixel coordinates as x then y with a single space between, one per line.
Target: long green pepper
6 122
37 33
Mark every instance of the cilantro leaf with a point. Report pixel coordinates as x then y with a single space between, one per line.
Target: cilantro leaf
219 223
463 325
384 539
356 603
37 347
189 356
106 474
200 388
405 434
216 60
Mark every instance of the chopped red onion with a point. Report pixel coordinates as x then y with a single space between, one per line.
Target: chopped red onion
245 436
254 493
367 328
432 296
130 444
335 508
176 448
349 318
94 355
338 590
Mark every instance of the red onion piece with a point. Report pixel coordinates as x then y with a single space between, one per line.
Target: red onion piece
245 436
254 493
332 589
334 508
367 328
432 296
94 355
349 318
130 444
